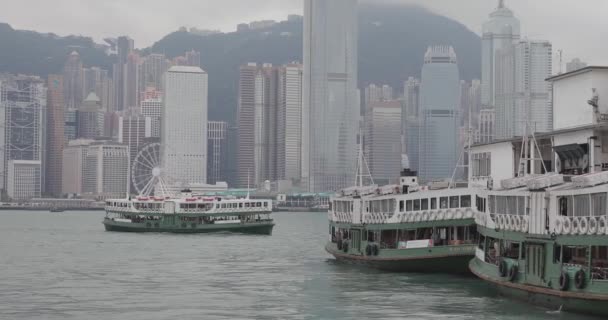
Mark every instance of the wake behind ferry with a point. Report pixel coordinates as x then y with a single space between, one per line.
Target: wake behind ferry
189 213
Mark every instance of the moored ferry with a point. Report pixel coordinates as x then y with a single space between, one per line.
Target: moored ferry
544 229
189 214
403 228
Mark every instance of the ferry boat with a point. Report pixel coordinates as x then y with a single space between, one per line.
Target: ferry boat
403 228
544 225
189 214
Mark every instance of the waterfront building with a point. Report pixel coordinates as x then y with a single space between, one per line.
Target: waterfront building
184 125
439 114
55 135
74 156
23 102
217 151
500 31
106 170
73 80
330 100
382 140
24 179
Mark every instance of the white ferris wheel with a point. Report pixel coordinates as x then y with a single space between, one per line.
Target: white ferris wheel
147 173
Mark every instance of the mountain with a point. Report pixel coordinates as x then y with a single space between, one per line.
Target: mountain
392 43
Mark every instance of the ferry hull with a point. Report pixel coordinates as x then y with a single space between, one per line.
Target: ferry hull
440 262
576 302
258 228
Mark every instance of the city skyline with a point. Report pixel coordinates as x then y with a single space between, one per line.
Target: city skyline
565 36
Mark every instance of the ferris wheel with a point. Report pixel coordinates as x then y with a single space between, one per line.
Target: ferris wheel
146 171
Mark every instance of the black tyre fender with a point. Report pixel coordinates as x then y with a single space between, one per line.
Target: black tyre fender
368 250
339 244
503 268
580 279
513 273
564 281
345 247
375 250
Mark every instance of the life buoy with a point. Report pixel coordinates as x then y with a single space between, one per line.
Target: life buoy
564 280
503 268
513 273
558 225
517 223
469 213
583 226
500 221
524 224
425 216
441 215
601 225
459 214
575 225
566 225
592 225
449 215
580 279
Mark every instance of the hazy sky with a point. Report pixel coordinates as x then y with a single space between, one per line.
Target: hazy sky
579 28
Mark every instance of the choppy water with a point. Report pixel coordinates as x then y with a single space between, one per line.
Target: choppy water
65 266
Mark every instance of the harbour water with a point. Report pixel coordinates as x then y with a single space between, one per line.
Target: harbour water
65 266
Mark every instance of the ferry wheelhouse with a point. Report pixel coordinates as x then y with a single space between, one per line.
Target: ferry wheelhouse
403 227
189 214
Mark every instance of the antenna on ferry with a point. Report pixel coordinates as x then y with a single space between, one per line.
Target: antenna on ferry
361 162
247 184
525 145
468 151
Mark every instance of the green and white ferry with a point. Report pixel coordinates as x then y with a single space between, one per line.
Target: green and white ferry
543 224
189 213
403 228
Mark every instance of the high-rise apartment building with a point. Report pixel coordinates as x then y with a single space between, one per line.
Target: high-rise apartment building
330 101
55 135
99 81
184 125
23 102
91 118
131 78
217 155
290 143
73 80
500 31
575 64
151 106
382 140
411 95
439 114
151 72
135 131
486 122
375 93
246 123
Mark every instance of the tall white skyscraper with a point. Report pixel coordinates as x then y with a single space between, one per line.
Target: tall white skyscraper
500 31
184 128
331 110
523 96
439 114
291 112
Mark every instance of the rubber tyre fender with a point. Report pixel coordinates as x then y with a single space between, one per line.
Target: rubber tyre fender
375 250
513 273
339 244
564 281
368 250
579 279
503 268
345 247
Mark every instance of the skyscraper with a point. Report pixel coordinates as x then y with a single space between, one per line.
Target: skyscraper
290 119
106 170
131 78
125 46
91 118
217 136
184 125
22 103
73 80
246 133
374 93
439 114
151 72
523 100
330 112
382 140
152 106
74 157
55 136
501 30
575 64
411 95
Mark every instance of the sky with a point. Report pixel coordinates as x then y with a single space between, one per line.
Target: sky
578 28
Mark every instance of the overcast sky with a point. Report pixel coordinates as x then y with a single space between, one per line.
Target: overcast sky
579 28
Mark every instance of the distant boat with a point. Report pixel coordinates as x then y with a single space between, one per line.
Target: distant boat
56 210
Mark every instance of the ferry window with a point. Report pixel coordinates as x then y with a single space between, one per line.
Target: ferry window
266 204
443 202
246 205
433 203
557 254
417 205
454 202
330 205
217 206
599 265
511 250
482 241
223 205
424 204
401 205
581 205
465 201
575 255
408 205
598 204
259 204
